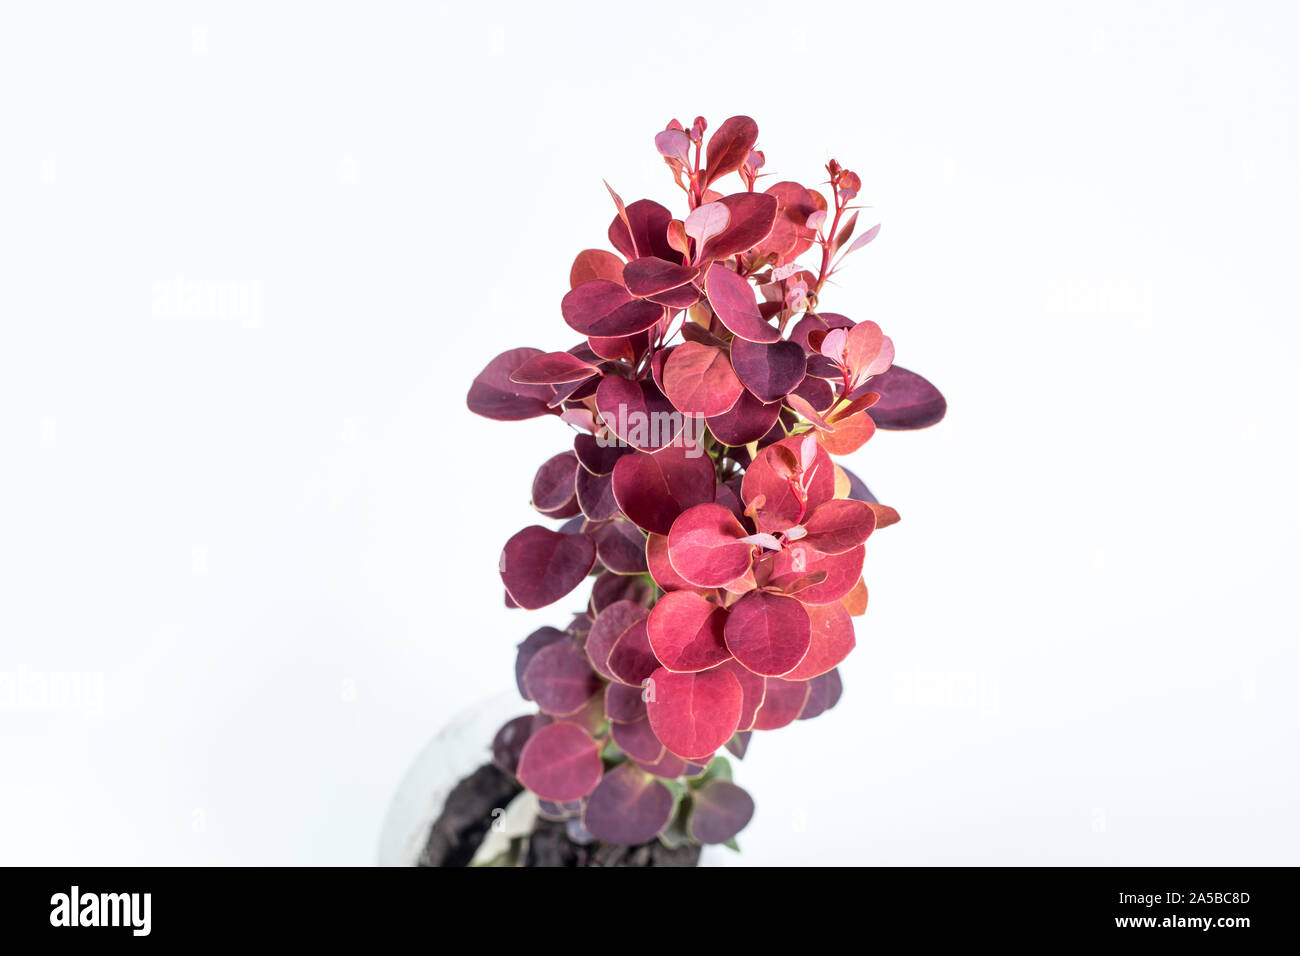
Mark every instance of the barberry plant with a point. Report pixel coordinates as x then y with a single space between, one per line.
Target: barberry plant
709 396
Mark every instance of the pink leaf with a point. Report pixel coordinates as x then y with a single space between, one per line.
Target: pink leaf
732 298
705 222
694 714
560 762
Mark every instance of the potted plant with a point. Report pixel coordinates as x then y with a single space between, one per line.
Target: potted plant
710 394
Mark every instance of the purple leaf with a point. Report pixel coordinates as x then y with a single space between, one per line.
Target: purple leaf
638 741
529 646
747 421
627 807
560 679
494 395
509 742
539 566
631 661
719 810
606 309
553 486
907 401
621 547
770 370
607 629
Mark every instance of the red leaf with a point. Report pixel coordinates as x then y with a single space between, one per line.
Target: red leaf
704 546
751 218
790 236
823 694
620 547
842 571
839 525
729 147
598 455
661 568
849 434
595 264
638 413
855 602
753 687
694 714
806 410
748 420
674 144
553 368
773 477
669 766
649 276
595 495
528 647
865 349
509 743
603 308
685 632
653 489
611 587
768 633
699 380
832 639
705 222
645 233
885 515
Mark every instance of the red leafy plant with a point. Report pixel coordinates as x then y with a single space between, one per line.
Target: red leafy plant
709 394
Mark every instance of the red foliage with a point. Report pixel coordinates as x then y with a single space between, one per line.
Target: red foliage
709 392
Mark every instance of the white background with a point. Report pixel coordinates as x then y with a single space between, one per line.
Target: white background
263 549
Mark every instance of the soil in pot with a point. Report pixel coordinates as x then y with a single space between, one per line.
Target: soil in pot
469 811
